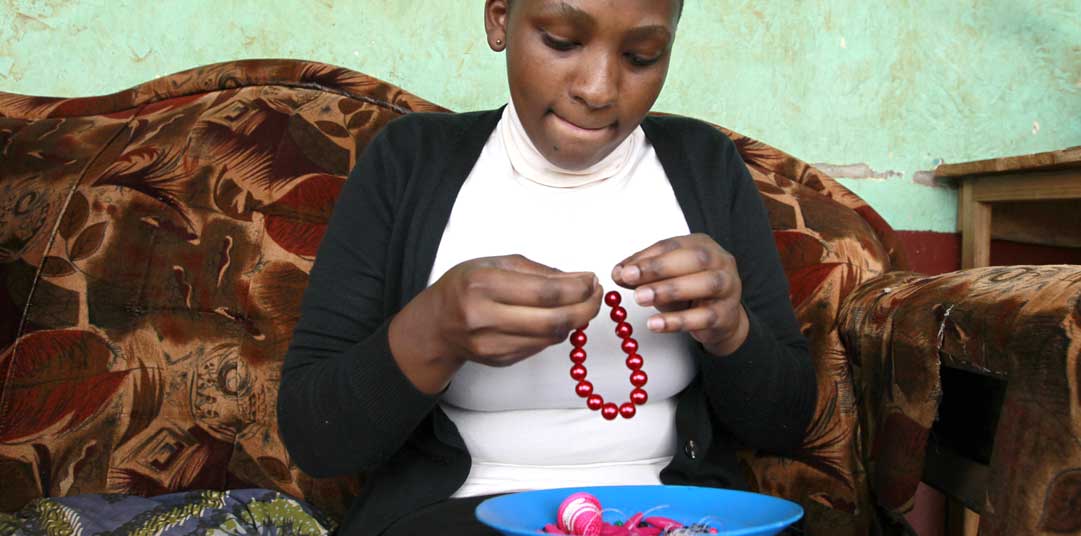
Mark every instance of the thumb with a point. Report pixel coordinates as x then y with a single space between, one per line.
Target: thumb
521 263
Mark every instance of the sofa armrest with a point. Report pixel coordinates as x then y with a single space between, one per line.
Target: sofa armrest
1018 325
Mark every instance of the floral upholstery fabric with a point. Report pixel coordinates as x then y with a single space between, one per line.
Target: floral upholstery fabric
1019 323
154 245
828 248
190 513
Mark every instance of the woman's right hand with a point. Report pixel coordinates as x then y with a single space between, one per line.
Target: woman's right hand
495 311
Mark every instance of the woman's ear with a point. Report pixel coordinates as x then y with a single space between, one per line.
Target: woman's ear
496 13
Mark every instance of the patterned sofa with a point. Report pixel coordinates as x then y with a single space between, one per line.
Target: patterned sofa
154 245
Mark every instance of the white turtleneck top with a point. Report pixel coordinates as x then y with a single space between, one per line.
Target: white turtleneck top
524 426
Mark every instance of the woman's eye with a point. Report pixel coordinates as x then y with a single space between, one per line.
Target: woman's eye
640 61
561 45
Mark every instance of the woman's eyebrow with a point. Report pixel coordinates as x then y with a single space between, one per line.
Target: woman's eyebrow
644 32
586 21
572 14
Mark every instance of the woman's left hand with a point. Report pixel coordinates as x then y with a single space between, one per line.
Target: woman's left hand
693 281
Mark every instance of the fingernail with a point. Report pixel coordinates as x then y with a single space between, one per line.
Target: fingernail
616 272
644 296
655 324
631 273
596 282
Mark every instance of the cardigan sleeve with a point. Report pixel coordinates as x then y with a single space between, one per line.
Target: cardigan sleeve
765 392
344 405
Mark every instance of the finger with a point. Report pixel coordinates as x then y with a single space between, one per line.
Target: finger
502 350
708 284
674 306
722 316
676 263
658 248
521 263
553 324
532 290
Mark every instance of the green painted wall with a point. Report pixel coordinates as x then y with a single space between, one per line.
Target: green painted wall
877 90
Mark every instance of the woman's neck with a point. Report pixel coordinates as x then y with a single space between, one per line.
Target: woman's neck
531 164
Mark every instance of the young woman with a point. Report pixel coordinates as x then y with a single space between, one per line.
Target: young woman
432 349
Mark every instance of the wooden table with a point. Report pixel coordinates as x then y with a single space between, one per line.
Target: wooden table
1037 199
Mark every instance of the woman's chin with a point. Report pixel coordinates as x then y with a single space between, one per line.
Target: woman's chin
573 155
572 160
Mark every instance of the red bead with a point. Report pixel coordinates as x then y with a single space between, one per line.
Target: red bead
618 314
578 338
578 355
584 389
594 402
610 410
638 378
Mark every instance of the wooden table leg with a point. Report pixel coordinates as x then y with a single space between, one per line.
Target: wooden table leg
975 228
960 521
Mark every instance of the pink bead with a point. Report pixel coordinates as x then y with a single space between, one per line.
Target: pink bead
578 338
584 389
616 530
618 314
578 355
663 523
612 298
578 372
588 497
629 345
627 410
610 410
639 378
639 396
580 514
624 330
634 361
595 402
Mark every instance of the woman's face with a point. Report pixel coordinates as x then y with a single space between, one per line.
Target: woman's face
582 73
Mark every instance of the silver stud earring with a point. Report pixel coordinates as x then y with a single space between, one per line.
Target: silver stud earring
498 42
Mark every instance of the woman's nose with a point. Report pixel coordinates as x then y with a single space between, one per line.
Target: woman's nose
596 81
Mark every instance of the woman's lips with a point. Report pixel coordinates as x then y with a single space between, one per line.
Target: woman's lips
588 131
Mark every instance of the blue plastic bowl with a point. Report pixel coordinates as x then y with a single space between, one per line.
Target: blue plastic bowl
732 513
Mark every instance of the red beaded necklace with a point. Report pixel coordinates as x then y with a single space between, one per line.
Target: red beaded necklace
634 362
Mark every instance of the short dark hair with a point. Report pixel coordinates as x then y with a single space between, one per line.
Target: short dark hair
679 12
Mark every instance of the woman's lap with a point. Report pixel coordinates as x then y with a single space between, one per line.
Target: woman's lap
455 517
450 517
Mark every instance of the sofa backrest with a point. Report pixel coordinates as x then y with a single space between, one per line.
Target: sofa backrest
155 243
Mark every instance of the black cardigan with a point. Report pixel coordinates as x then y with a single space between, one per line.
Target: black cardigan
344 407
